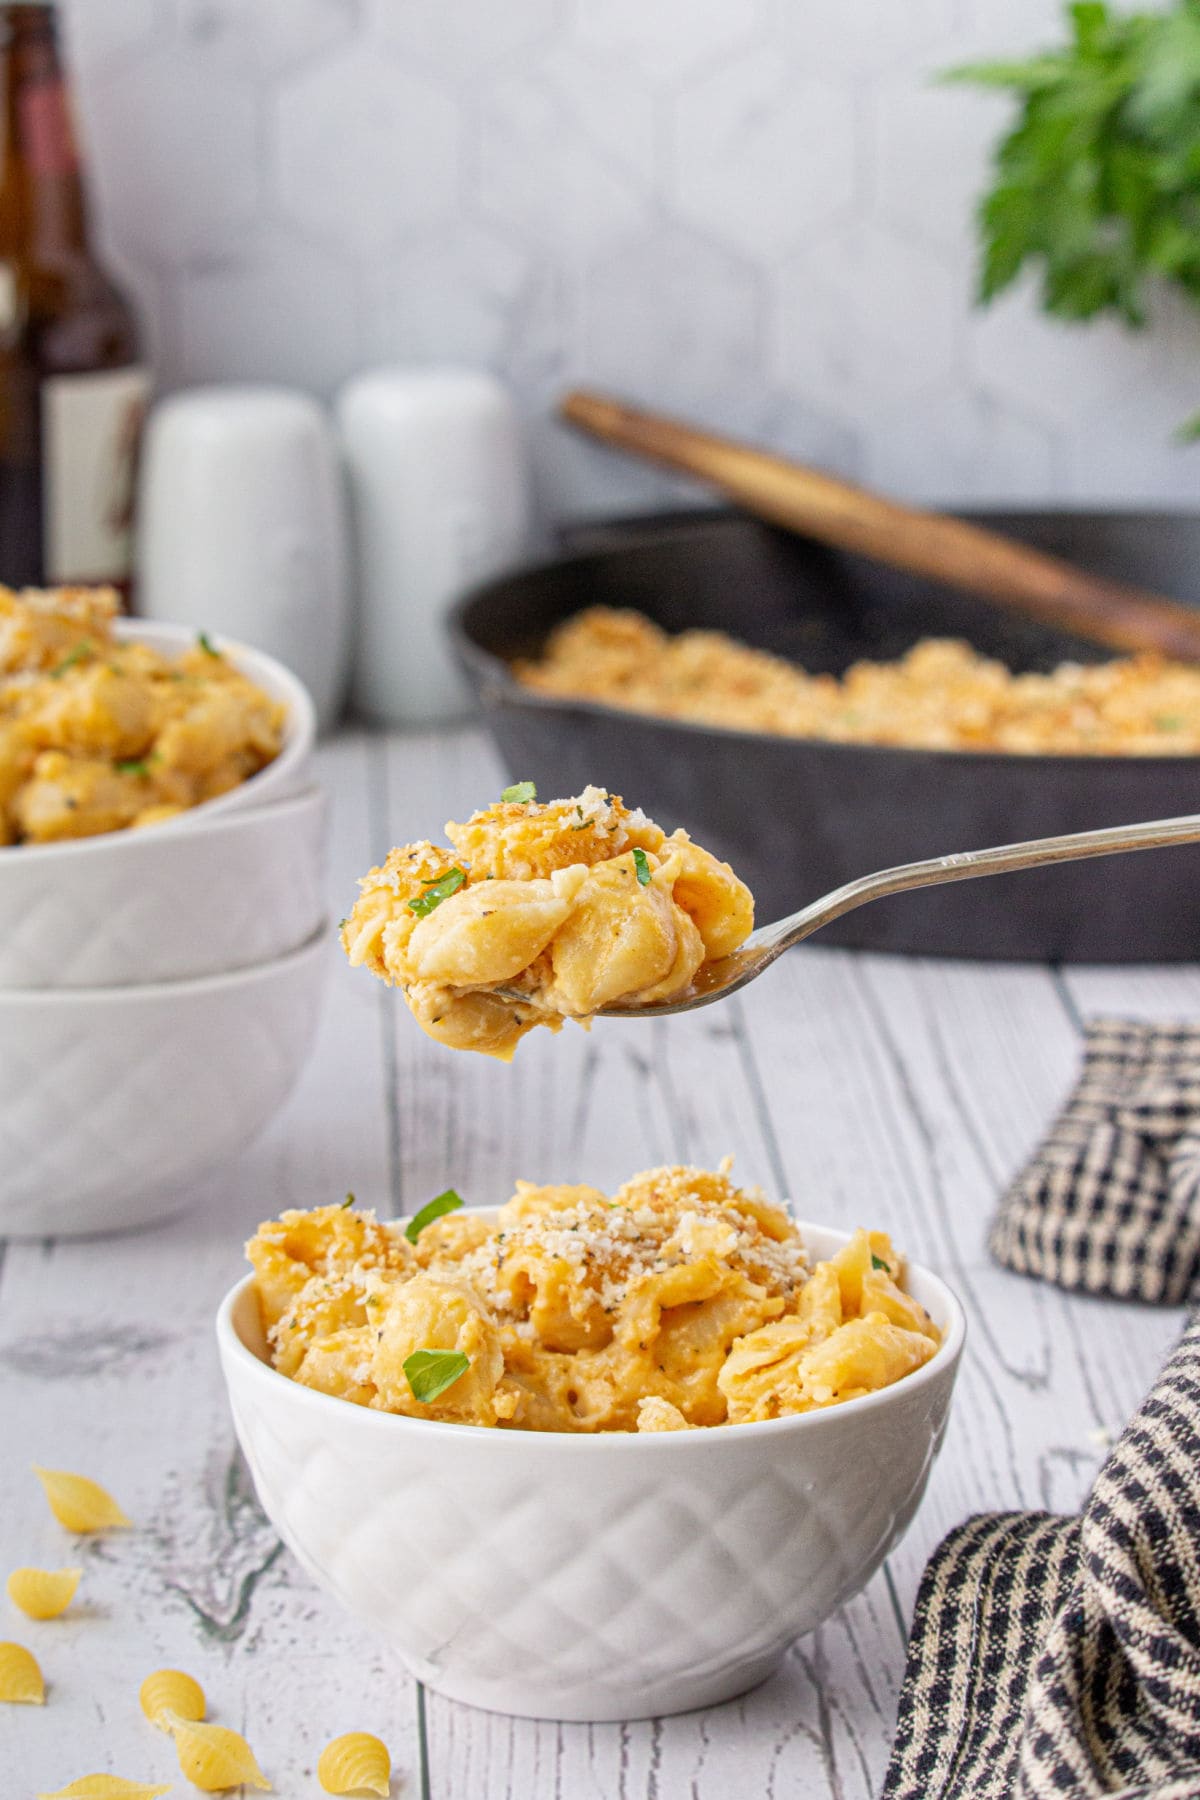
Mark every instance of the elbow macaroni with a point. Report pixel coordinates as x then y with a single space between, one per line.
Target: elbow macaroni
683 1301
540 913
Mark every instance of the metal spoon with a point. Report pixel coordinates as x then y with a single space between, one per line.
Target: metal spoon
760 949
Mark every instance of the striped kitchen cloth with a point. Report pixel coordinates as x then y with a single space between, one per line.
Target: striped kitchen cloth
1110 1202
1057 1656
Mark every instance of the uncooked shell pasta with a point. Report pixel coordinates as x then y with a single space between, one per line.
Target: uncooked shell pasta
108 1787
170 1691
356 1763
21 1682
79 1503
213 1757
43 1593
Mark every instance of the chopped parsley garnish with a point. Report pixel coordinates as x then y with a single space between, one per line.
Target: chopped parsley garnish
342 923
1169 722
348 1201
134 765
79 654
642 867
431 1372
440 890
433 1209
520 793
206 644
877 1262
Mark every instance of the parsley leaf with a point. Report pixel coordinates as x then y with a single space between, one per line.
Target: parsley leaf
135 765
431 1372
206 644
1094 184
877 1262
79 654
642 867
520 794
348 1201
440 890
433 1209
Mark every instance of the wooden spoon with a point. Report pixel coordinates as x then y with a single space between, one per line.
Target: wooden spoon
926 543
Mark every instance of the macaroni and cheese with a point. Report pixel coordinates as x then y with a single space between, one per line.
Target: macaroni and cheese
682 1301
942 695
543 912
98 734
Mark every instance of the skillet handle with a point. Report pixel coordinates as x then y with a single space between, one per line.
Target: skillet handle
930 544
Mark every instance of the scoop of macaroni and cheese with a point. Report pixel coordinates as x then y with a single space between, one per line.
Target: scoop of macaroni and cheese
543 912
681 1301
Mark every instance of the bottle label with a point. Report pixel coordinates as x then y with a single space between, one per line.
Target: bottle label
47 139
90 430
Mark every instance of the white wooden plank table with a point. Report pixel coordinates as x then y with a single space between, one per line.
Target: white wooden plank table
885 1091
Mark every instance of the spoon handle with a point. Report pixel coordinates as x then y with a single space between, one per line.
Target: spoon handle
965 865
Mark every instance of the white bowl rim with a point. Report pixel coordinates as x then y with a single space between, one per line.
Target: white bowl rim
137 993
299 735
595 1443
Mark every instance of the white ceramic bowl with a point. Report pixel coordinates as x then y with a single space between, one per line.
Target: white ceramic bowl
290 773
606 1577
113 1099
128 908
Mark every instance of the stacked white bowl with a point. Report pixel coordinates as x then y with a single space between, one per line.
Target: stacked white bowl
159 989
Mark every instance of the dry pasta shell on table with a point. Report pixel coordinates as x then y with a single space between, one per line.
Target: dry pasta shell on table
79 1503
213 1757
170 1691
108 1787
356 1763
43 1593
21 1680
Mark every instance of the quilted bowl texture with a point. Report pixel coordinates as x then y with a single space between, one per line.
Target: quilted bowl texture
113 1100
604 1577
150 906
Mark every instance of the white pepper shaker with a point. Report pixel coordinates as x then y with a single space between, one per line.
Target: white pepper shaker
242 529
439 496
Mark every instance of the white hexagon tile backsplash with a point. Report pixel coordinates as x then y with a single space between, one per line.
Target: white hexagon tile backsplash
754 212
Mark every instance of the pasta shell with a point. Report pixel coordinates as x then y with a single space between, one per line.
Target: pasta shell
171 1691
20 1678
212 1756
79 1504
43 1593
107 1787
356 1764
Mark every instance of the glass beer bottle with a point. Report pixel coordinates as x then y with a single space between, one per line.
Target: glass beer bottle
72 388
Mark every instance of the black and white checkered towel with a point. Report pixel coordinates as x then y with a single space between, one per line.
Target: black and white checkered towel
1059 1656
1110 1203
1056 1656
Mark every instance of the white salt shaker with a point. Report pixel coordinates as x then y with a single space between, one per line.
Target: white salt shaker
242 529
439 496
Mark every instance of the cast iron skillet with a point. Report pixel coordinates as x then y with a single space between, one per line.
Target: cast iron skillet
798 817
